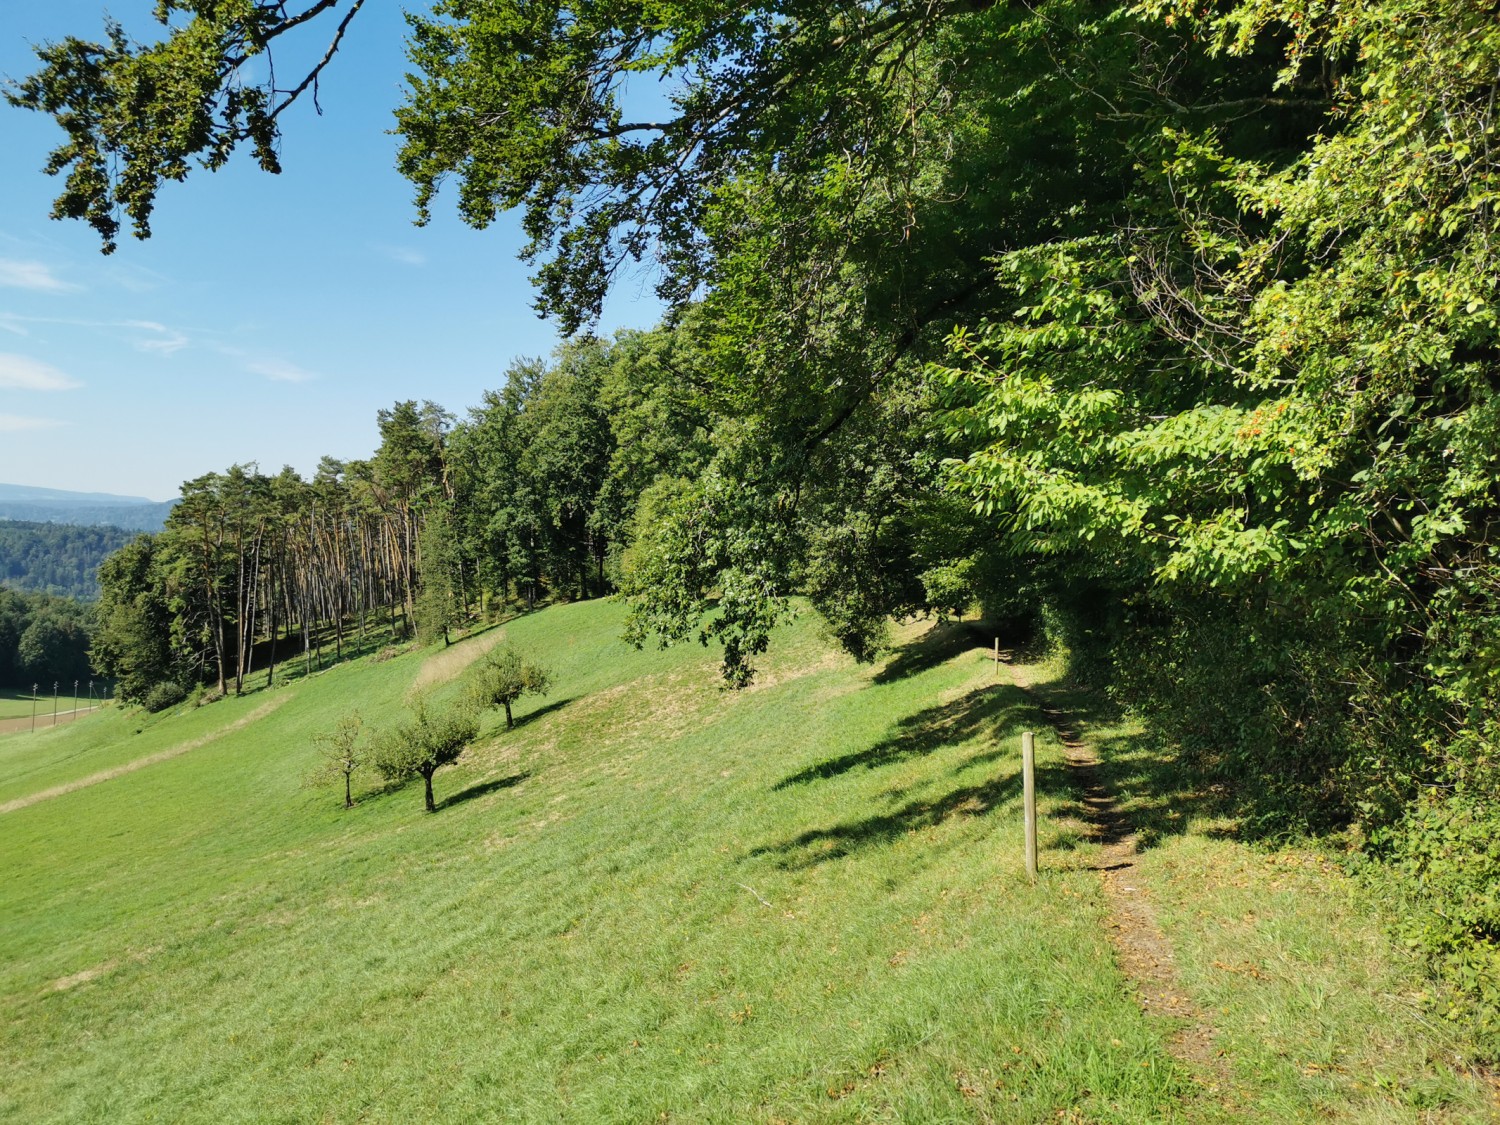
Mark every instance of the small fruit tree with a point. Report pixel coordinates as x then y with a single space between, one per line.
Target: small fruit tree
341 754
504 676
430 738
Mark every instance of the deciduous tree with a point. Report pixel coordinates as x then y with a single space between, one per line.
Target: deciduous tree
431 737
342 752
506 675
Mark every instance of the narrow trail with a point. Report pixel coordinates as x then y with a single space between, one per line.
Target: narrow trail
448 663
44 719
1141 948
141 763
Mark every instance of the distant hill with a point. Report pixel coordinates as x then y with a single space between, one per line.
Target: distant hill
88 509
55 558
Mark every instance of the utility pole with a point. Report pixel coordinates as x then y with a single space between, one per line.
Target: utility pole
54 703
75 701
34 688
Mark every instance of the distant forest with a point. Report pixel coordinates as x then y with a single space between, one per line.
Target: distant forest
56 558
43 639
144 516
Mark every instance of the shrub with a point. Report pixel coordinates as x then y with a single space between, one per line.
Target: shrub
1447 856
166 694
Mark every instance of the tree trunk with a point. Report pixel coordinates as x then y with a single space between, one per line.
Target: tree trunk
509 722
427 777
349 796
271 597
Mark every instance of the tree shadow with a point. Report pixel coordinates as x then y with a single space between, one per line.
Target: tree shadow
819 845
1139 785
483 789
540 712
940 644
946 724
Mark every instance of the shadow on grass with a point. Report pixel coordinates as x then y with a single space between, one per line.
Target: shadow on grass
540 712
947 724
940 644
483 789
1140 785
819 845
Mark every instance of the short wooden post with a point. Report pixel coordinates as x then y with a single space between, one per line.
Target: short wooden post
997 658
1028 792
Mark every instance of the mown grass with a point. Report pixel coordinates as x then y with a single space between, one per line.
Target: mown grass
802 902
17 703
1319 1014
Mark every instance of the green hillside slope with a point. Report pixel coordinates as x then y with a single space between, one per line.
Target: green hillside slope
652 900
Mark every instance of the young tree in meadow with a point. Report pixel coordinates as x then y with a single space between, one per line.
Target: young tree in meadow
430 739
342 752
504 676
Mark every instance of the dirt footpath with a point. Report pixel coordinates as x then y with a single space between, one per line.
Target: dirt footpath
43 719
1141 949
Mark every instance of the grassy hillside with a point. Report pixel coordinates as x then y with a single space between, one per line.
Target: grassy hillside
652 900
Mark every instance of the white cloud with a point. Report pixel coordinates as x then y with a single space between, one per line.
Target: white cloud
10 423
278 370
32 275
135 278
403 254
165 340
17 373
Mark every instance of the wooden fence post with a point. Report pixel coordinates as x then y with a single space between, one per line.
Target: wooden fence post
1028 790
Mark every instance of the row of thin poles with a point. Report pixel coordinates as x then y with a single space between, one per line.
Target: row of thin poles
36 696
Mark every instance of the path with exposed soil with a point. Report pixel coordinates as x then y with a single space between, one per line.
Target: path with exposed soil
1142 950
43 719
141 763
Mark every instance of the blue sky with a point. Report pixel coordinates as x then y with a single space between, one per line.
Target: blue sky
269 317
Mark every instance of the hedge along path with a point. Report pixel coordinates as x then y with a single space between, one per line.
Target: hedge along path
1141 948
451 661
149 760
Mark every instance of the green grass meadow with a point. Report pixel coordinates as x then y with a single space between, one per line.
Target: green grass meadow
652 900
17 703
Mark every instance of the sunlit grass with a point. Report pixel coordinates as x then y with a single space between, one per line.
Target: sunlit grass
802 902
1319 1014
19 703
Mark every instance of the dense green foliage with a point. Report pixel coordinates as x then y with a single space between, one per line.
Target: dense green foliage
1169 327
54 558
43 640
431 737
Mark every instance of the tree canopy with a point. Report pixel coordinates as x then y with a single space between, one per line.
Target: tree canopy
1171 327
